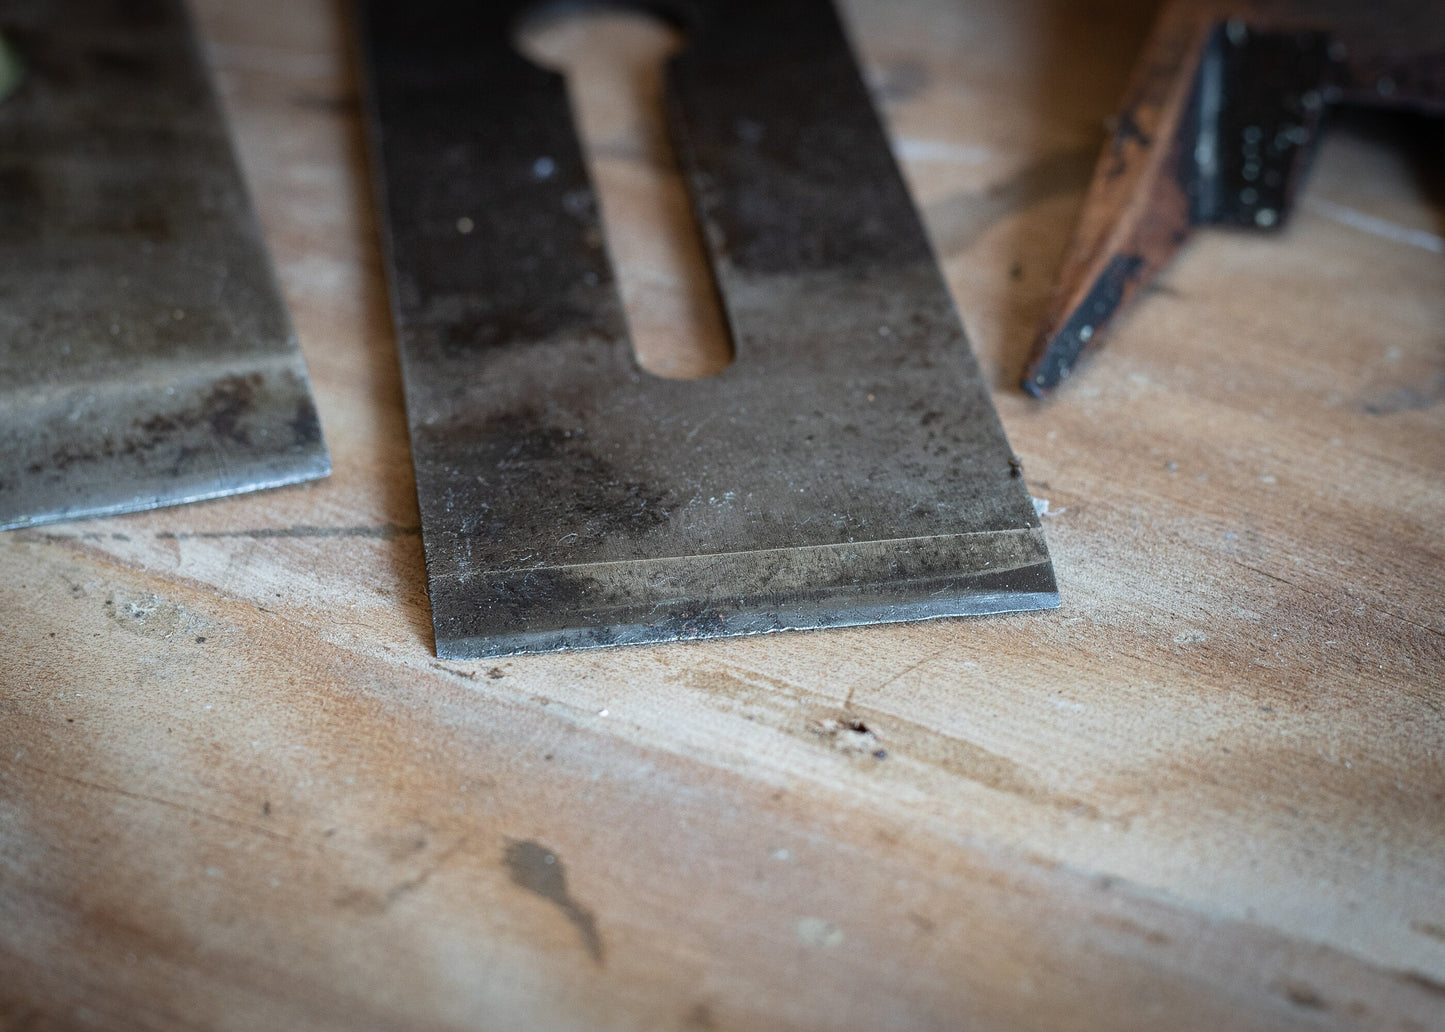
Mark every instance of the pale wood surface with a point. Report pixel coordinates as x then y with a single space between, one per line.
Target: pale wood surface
237 790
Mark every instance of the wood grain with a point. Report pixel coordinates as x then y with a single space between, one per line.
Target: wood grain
237 790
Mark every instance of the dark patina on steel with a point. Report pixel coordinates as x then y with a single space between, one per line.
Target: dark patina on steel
146 358
847 468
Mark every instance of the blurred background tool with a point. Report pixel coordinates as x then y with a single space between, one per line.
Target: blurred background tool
146 358
1217 128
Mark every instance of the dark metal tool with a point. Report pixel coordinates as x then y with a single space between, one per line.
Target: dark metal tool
146 358
1217 128
848 467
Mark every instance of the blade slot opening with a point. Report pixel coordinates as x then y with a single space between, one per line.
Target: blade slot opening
613 60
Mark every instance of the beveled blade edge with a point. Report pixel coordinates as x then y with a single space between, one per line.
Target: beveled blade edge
102 449
598 605
319 466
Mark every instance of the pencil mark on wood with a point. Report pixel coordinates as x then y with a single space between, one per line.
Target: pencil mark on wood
1406 399
465 675
156 800
540 871
700 1017
892 679
1307 591
1430 928
1302 995
401 888
1425 982
925 925
379 903
383 531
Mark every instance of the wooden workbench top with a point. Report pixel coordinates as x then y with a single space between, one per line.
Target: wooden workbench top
238 790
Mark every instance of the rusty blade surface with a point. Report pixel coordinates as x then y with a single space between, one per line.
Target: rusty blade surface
146 358
847 468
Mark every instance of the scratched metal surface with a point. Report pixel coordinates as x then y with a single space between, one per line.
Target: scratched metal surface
848 467
146 358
